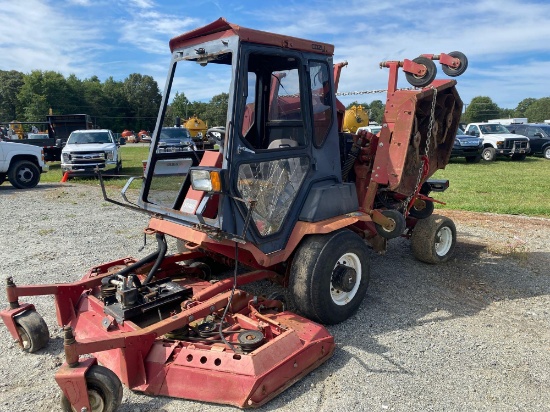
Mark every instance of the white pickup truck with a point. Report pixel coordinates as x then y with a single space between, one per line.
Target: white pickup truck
21 164
498 140
88 150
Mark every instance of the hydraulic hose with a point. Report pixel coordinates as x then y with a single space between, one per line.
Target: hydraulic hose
147 259
162 248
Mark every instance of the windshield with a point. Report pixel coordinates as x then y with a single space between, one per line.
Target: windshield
494 129
89 137
175 133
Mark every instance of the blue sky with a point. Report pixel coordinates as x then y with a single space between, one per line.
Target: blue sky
507 41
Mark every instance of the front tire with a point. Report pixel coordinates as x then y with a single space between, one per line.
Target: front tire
104 391
433 239
24 174
329 276
489 154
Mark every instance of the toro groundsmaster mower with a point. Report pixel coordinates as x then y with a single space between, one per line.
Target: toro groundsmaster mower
286 197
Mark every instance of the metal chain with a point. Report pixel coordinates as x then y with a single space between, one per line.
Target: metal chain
370 91
426 152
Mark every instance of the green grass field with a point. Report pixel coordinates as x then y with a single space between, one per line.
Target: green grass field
503 186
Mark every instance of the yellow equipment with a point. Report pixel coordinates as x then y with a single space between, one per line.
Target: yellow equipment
354 118
195 126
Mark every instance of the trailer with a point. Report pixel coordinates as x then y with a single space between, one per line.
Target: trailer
288 197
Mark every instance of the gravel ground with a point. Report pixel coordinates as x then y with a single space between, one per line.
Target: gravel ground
472 334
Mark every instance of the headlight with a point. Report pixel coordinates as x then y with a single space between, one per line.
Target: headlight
206 180
457 142
65 157
110 154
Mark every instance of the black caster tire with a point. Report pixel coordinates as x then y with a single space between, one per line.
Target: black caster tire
452 72
104 391
428 77
33 331
422 211
397 227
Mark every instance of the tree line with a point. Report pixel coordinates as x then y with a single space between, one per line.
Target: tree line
134 102
117 105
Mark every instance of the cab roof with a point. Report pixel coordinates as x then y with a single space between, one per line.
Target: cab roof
221 28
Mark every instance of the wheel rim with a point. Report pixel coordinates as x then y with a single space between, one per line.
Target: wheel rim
96 400
486 155
25 175
25 340
443 241
339 296
547 153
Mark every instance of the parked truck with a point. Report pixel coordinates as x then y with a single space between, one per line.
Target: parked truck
57 129
21 164
498 140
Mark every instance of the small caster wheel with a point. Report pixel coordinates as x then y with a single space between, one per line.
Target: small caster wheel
396 227
450 71
204 268
104 391
422 209
33 331
429 76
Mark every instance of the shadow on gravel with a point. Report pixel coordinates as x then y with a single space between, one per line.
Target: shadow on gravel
404 294
7 188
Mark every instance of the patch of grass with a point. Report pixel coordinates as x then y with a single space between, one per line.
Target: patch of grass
515 247
502 186
44 232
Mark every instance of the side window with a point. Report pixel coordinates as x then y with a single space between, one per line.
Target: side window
321 101
530 132
272 115
474 129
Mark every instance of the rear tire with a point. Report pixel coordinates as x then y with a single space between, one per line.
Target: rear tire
433 239
24 174
489 154
329 276
546 153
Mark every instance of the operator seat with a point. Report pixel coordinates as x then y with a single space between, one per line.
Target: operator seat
281 143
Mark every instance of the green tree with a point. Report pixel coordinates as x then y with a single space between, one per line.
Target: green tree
523 106
180 106
539 111
10 84
216 111
119 113
40 92
481 109
143 96
376 111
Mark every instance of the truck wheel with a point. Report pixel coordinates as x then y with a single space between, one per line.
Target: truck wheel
449 71
329 276
24 174
519 157
423 210
397 227
104 391
33 331
433 239
2 178
428 77
489 154
546 153
473 159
